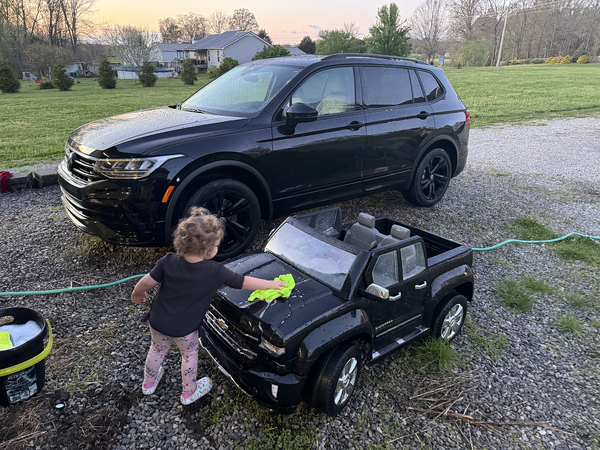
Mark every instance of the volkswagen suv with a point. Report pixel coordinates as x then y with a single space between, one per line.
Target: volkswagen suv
266 139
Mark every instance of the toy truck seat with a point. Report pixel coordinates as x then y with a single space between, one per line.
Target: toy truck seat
397 233
363 233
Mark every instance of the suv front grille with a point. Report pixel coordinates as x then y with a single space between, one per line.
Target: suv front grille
223 330
80 166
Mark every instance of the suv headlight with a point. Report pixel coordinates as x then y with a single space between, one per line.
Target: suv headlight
278 351
131 168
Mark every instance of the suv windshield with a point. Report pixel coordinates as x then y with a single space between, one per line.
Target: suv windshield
243 91
317 258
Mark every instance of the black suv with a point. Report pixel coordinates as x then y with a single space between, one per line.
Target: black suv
266 139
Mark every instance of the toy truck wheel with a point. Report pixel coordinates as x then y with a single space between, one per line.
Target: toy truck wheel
450 319
337 380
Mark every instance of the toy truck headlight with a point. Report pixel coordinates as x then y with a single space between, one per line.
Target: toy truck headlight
272 348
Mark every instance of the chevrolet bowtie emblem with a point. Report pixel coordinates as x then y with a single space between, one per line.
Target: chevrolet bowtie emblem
222 324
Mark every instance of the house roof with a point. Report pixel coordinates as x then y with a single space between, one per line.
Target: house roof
220 41
294 51
168 47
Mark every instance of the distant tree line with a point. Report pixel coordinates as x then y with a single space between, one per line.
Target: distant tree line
471 30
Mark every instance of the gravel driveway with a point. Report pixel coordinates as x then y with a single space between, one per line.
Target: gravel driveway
514 368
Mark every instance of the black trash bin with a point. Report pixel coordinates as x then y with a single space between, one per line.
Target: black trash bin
22 368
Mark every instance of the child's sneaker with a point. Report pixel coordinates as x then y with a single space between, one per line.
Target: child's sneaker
203 386
151 389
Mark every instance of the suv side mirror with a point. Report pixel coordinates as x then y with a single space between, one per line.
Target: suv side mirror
299 112
378 291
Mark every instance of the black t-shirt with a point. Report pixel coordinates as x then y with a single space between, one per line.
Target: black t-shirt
186 291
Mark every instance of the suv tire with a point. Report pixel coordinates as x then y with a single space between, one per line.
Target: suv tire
236 206
450 319
431 179
337 379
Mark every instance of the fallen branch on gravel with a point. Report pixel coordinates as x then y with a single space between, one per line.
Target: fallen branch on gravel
482 423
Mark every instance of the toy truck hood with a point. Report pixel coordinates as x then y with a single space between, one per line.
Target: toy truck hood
282 316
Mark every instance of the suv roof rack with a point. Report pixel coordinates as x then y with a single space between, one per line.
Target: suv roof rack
370 55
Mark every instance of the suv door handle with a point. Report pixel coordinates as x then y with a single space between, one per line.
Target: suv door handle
421 286
354 125
395 297
423 115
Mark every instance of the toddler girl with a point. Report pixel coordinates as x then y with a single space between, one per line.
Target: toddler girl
189 281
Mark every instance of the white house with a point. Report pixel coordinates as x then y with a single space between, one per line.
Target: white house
168 54
294 51
210 51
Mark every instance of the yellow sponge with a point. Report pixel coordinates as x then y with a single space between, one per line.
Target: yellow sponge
5 341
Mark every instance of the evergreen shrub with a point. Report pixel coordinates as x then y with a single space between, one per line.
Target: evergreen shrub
583 60
188 75
9 83
147 76
566 60
106 76
537 61
60 79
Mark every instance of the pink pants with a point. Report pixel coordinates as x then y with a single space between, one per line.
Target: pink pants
188 346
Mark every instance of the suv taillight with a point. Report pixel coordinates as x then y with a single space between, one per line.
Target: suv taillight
468 121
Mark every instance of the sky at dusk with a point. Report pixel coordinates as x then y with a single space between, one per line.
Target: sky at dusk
285 21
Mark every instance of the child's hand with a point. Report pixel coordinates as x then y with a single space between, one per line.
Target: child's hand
139 297
278 284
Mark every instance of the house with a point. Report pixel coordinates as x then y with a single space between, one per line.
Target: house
210 51
168 54
294 51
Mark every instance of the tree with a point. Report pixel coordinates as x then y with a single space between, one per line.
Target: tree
226 65
389 36
147 76
106 76
74 15
428 27
270 52
8 81
243 20
262 33
218 22
169 30
340 41
191 25
307 45
463 14
60 79
188 75
134 46
473 53
41 56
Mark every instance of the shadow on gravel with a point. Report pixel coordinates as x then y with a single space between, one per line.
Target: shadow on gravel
89 424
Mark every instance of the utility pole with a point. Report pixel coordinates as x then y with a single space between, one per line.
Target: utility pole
502 39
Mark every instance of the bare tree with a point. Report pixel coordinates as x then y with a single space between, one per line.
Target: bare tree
463 14
41 56
133 45
218 22
428 25
190 25
169 30
75 14
242 19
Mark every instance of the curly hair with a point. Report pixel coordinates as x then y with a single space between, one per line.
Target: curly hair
198 233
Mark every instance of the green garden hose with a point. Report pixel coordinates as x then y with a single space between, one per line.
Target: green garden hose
101 286
534 242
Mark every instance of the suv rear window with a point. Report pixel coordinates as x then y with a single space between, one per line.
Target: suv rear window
432 88
385 86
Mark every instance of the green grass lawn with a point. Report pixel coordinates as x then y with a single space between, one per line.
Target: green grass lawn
519 93
35 123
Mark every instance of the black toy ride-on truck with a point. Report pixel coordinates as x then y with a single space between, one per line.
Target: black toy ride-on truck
366 288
